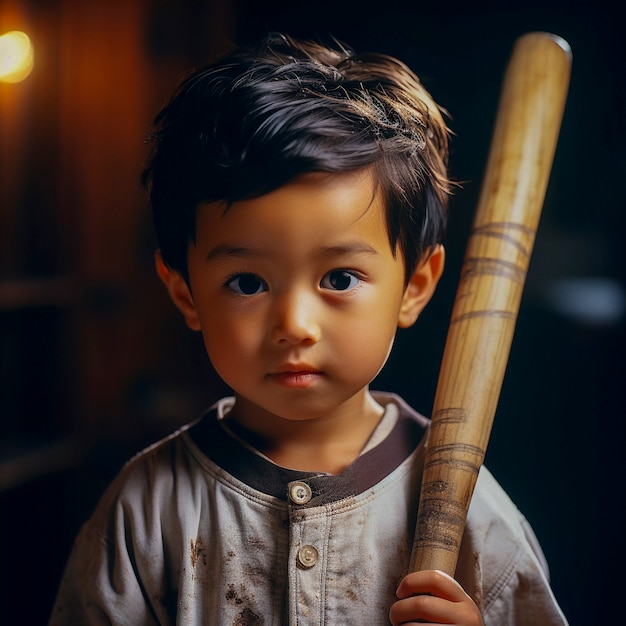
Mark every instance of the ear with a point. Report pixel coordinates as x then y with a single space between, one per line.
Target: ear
421 287
178 290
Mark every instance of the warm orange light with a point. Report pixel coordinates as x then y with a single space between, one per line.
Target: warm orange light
16 56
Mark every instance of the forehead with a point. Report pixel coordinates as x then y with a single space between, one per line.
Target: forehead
313 209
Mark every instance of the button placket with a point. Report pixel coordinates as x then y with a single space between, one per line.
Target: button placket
300 493
309 527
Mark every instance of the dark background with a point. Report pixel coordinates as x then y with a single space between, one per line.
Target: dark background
95 363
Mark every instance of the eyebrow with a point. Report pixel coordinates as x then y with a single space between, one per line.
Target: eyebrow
223 251
355 247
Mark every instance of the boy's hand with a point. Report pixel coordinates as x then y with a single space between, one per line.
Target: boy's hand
433 597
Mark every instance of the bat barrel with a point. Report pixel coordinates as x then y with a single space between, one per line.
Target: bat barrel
490 289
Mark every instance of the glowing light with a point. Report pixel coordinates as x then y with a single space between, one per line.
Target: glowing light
597 301
16 56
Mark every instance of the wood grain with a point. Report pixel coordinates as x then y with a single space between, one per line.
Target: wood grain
487 302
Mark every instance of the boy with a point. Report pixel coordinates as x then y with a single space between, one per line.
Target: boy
299 197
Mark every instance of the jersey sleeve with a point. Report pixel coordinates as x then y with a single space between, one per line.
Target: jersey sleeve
108 579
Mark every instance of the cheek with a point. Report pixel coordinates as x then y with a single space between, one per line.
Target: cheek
364 345
229 340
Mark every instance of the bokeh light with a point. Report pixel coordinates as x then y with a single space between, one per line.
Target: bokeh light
16 56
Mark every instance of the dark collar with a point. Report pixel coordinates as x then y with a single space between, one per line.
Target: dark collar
259 473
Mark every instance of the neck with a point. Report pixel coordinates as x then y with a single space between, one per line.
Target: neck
326 443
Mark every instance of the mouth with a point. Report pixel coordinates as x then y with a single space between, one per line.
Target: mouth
296 376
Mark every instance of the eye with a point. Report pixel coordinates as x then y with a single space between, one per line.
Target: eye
340 280
246 284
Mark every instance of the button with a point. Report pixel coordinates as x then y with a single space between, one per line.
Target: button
307 556
299 492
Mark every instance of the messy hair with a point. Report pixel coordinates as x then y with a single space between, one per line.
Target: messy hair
260 116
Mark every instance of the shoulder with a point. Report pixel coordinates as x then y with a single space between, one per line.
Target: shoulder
493 520
121 551
147 483
501 563
491 506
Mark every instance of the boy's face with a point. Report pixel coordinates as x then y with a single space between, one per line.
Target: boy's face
298 294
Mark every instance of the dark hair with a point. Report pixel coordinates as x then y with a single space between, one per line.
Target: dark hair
260 116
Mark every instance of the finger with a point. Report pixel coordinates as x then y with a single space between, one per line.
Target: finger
433 582
426 609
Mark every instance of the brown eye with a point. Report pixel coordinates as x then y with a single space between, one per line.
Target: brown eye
340 280
247 284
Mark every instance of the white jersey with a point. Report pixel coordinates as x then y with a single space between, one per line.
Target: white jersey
203 529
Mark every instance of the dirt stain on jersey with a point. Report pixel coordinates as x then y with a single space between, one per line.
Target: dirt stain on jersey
245 617
197 551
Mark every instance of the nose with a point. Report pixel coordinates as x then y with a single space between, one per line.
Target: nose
296 319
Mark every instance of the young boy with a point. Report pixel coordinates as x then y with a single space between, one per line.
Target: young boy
299 196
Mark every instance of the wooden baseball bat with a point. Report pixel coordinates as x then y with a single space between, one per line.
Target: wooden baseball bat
490 288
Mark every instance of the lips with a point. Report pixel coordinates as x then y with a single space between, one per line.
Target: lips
296 376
